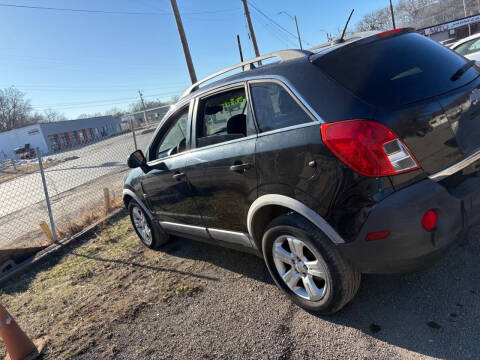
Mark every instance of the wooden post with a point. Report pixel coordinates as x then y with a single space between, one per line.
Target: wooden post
240 48
106 198
183 39
46 230
250 29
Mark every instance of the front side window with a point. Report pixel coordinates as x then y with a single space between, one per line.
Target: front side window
275 108
174 138
222 117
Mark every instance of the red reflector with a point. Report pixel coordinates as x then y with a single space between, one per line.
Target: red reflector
378 235
429 220
390 32
368 147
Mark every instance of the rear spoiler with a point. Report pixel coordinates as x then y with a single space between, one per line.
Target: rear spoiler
363 41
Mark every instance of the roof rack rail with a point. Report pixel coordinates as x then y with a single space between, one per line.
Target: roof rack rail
284 55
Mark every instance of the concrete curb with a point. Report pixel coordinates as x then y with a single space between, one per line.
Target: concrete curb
52 249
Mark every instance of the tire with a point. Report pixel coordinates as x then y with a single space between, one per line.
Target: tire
320 280
152 236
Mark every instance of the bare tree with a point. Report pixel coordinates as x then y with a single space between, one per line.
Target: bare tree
418 14
51 115
115 112
377 20
14 109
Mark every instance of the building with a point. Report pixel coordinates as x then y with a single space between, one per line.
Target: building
153 115
453 30
59 135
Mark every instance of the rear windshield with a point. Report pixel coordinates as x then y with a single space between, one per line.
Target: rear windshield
396 70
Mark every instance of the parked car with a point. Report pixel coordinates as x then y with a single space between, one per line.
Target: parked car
468 47
25 152
356 157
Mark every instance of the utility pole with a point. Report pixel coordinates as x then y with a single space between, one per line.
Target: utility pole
298 32
250 28
294 18
143 107
240 48
393 15
183 39
465 11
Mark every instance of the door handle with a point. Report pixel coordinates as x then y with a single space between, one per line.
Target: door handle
240 168
178 176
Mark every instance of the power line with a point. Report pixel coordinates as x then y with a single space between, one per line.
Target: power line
89 11
275 23
102 101
274 31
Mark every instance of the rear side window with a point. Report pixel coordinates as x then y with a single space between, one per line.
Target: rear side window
396 70
468 47
275 108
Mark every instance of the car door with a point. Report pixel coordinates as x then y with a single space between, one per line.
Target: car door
166 190
289 145
221 164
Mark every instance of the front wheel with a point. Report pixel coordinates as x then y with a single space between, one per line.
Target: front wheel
307 266
151 236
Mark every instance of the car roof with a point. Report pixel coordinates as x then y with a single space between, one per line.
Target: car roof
250 69
464 40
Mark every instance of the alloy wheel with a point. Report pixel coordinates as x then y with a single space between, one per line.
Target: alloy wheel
141 225
299 266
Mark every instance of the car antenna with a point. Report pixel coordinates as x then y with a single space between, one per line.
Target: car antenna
345 28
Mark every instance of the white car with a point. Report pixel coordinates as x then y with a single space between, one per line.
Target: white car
469 47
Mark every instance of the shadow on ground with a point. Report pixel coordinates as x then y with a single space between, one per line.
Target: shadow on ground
435 312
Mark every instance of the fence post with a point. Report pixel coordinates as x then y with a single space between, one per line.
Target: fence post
133 132
47 198
106 198
13 164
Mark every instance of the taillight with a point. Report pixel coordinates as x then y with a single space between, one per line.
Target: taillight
368 147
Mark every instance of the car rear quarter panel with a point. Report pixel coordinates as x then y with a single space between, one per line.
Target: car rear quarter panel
331 189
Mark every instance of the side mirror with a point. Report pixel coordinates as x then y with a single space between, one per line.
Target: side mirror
137 159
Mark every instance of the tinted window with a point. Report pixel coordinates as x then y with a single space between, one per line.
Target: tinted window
275 108
469 47
396 70
222 117
174 138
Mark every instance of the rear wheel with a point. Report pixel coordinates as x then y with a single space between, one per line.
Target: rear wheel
151 236
307 267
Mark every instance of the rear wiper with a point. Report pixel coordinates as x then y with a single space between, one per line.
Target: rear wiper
462 70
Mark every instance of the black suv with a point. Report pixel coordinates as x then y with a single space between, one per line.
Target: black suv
355 157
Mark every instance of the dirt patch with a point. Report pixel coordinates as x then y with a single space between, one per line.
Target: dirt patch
77 298
111 298
10 173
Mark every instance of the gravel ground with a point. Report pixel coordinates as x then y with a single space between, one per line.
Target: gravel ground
111 298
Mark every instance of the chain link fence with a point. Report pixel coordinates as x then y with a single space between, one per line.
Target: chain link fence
71 183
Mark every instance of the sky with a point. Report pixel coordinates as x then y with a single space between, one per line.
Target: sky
83 63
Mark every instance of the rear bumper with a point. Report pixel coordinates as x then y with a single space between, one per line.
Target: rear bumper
409 247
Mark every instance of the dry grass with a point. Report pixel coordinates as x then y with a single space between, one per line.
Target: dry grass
87 216
10 173
79 296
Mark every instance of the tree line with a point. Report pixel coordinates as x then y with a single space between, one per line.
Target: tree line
418 14
16 110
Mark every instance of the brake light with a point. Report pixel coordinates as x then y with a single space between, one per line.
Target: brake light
368 147
390 32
